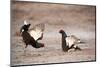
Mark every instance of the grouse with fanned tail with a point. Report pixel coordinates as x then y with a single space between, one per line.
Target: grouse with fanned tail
31 36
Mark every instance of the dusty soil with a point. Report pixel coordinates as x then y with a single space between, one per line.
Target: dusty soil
74 19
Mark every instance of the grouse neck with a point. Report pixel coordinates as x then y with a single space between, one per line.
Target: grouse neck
64 45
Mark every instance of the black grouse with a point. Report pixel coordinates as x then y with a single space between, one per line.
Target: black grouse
28 39
69 42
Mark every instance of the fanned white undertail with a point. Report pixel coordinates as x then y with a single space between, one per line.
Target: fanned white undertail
37 31
70 40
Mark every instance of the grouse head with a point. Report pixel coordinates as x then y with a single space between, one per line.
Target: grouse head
25 27
63 33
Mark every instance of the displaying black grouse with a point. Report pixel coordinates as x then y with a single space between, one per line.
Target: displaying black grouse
29 36
69 42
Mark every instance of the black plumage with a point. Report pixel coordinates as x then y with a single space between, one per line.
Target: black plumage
69 42
28 39
64 44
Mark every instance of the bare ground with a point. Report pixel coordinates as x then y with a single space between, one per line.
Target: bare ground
74 19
